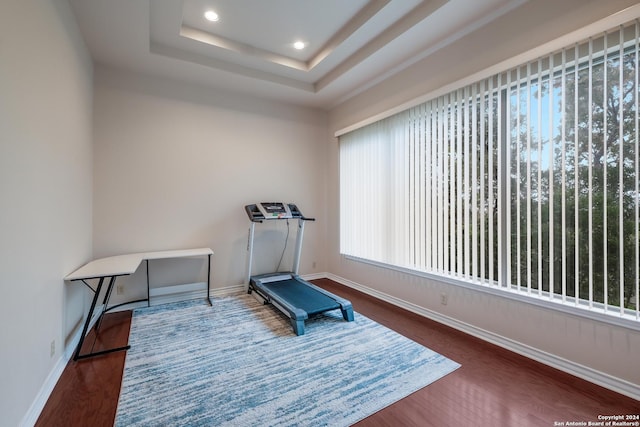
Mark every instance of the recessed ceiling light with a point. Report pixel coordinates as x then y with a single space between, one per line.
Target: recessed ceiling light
211 16
299 45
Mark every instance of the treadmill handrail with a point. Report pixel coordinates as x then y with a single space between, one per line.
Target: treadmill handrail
254 215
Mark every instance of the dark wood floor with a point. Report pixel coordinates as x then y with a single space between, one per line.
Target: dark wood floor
494 387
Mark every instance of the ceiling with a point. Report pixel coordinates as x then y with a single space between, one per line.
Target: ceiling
350 45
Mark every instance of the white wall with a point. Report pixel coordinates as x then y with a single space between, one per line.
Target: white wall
609 353
176 163
45 193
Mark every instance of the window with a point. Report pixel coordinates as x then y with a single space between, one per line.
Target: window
527 181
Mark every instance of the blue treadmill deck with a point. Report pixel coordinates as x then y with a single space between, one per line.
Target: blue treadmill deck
300 296
299 299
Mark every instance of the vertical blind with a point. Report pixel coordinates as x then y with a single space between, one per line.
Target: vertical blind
527 180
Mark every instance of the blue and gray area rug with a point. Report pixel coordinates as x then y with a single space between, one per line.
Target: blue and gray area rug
239 363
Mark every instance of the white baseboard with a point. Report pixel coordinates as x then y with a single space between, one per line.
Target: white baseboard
228 291
40 401
314 276
600 378
169 294
176 293
49 384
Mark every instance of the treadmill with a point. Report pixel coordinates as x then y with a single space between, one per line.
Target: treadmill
287 291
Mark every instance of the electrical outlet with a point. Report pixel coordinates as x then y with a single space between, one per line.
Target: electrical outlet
313 265
52 349
119 289
444 298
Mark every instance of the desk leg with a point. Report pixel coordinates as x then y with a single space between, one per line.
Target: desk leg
105 300
148 286
89 316
209 280
85 328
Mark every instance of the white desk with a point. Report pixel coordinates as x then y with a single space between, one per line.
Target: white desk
123 265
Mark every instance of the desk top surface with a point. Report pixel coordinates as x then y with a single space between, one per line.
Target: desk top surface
122 265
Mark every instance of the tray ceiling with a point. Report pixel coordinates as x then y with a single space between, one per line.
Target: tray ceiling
349 45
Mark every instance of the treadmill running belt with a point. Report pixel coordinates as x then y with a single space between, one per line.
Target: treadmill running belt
300 295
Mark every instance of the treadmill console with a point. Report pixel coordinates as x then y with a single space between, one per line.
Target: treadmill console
274 210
